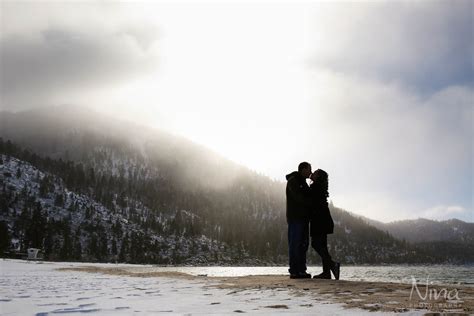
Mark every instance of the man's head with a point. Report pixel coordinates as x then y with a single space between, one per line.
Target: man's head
304 169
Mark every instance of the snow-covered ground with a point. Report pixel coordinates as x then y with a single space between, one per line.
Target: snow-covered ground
38 288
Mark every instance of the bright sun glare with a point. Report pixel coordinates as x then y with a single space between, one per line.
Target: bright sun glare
241 80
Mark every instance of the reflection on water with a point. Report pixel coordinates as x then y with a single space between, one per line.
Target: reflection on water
436 274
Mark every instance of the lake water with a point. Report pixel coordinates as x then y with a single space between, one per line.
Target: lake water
436 274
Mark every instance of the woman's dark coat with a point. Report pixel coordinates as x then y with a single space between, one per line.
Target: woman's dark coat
321 220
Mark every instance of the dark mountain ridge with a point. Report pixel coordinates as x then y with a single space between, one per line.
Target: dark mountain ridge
427 230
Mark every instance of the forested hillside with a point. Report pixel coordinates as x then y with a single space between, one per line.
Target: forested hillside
86 187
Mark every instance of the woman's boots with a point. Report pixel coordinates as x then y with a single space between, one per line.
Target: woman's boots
336 268
333 266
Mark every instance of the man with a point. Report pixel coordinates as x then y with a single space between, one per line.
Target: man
298 210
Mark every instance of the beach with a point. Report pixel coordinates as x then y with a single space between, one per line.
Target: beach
47 288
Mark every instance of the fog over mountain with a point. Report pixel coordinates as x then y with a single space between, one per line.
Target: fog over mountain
60 131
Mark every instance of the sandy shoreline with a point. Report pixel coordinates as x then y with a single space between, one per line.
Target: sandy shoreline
371 296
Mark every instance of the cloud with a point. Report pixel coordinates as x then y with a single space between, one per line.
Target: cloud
425 46
392 89
53 60
383 143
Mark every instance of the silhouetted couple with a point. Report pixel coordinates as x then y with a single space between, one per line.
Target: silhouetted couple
307 213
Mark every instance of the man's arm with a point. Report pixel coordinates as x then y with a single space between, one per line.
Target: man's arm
298 194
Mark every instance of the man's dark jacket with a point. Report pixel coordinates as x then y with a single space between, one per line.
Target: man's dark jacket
298 198
321 220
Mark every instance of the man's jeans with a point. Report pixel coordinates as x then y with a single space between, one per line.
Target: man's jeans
298 242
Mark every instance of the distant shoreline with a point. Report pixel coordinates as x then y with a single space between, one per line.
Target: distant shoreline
225 264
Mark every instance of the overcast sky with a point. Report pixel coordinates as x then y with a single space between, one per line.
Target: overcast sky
380 95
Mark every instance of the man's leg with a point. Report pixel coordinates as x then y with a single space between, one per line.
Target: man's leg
294 241
304 245
297 247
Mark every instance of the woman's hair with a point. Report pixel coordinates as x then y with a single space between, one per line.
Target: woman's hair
322 182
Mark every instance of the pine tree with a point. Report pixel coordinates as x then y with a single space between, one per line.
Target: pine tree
36 229
4 237
114 247
103 250
66 249
93 249
88 213
59 200
77 248
123 257
44 186
48 240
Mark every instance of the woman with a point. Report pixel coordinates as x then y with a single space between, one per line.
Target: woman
321 224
